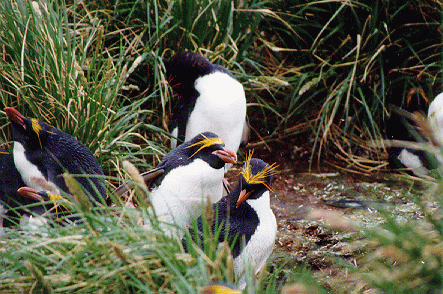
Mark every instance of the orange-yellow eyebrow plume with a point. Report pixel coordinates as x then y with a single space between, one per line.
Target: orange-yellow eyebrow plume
206 142
259 178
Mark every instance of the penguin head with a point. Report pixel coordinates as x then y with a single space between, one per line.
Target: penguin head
34 195
43 196
40 196
209 147
255 178
183 69
32 133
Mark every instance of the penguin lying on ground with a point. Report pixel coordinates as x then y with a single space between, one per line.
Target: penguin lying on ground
245 216
10 200
41 151
210 99
184 178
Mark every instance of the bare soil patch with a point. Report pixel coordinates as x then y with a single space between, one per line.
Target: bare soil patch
306 241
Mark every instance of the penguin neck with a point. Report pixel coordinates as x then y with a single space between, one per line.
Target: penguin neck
260 205
244 210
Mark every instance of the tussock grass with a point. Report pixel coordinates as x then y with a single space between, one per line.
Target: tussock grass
345 61
61 73
325 69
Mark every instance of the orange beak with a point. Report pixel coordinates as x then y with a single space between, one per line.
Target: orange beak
242 197
31 194
14 115
226 155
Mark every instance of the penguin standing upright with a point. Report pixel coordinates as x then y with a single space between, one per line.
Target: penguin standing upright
41 151
245 216
210 99
184 178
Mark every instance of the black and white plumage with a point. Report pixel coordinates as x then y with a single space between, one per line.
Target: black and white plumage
185 177
400 127
50 200
246 216
44 152
210 99
10 199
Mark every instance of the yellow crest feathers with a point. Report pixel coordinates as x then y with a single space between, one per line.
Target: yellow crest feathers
36 126
206 142
259 178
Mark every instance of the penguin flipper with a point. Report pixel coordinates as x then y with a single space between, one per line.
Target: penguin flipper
152 175
147 176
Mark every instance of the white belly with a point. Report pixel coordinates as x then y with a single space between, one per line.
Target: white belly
179 198
27 170
261 244
412 162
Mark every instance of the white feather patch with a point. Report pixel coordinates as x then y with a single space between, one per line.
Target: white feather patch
180 203
261 244
26 169
220 108
412 162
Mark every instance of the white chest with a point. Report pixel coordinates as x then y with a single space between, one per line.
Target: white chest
27 170
435 117
261 244
179 198
413 162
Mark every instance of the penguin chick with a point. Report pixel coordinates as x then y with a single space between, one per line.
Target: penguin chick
183 179
41 151
246 219
210 99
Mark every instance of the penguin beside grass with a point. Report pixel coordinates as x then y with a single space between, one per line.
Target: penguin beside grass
244 219
41 151
185 177
209 99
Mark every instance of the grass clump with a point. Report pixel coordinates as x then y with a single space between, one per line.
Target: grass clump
61 73
324 68
344 62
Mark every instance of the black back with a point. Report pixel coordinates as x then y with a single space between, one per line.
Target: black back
54 151
182 71
238 223
186 153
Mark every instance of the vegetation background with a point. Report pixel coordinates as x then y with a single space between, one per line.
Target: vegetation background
325 70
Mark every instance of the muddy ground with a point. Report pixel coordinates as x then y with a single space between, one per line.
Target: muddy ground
302 202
